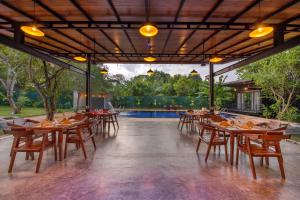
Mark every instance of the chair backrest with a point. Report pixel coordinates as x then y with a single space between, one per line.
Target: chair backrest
78 116
216 118
274 136
206 126
18 132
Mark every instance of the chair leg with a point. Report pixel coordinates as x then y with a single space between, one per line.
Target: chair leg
39 161
209 145
66 146
116 120
82 144
92 138
280 162
267 161
237 156
226 153
198 145
12 161
252 166
262 161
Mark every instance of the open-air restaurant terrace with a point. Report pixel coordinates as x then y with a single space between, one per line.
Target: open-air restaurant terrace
77 120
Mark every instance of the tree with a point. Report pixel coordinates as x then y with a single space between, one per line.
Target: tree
45 78
11 64
279 78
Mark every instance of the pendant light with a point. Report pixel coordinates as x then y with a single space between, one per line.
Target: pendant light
149 59
215 59
148 30
79 57
194 73
33 28
261 29
150 72
103 70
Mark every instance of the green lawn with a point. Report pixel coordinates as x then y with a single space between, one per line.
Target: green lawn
26 112
296 138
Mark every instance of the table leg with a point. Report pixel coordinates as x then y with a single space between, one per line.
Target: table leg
231 148
60 145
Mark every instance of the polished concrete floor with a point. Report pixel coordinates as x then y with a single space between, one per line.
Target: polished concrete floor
147 159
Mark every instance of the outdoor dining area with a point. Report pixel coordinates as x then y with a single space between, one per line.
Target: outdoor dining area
31 136
93 153
252 137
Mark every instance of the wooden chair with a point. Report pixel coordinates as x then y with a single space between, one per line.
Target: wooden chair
108 120
187 121
79 135
181 116
212 137
31 144
269 147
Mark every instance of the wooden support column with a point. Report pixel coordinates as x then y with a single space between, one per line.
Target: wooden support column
211 85
88 84
278 35
18 34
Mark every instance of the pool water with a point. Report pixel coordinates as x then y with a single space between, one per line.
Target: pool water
163 114
150 114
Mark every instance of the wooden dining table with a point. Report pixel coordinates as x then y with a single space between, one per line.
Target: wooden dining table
236 129
56 128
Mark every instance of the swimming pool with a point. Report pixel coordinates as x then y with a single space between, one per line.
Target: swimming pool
150 114
163 114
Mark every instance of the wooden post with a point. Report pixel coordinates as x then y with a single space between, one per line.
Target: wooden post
88 84
211 85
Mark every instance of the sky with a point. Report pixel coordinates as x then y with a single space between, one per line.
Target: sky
131 70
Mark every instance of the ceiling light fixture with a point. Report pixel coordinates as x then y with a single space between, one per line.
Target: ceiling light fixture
79 58
215 59
33 28
148 30
149 59
261 29
150 72
103 71
194 73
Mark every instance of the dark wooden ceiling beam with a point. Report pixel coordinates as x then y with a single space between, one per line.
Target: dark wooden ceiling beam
246 9
287 5
112 6
58 16
75 3
216 5
175 20
32 18
34 38
21 47
271 51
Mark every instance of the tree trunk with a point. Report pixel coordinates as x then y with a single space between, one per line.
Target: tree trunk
78 100
50 107
12 103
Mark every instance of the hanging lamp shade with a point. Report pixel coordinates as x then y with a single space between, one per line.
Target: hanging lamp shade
148 30
149 59
103 71
215 59
32 30
261 31
79 58
194 73
150 72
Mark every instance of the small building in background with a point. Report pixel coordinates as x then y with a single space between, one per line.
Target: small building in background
98 101
247 97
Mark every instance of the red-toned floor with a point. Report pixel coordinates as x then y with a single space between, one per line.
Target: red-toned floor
147 159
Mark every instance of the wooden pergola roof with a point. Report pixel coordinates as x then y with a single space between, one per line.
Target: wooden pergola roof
190 31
